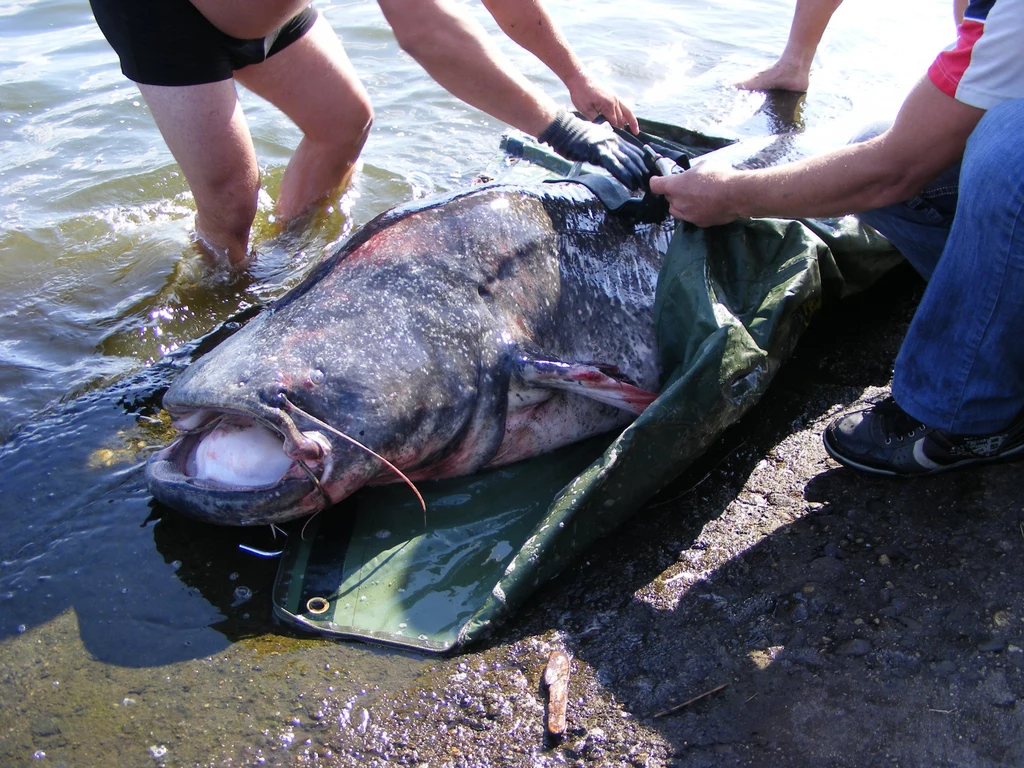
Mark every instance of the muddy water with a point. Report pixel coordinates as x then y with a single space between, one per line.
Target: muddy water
129 636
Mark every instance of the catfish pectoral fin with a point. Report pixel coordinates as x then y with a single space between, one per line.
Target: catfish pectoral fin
590 380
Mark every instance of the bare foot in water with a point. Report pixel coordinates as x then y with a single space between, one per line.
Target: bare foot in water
782 75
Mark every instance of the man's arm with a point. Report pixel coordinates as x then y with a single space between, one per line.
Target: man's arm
928 136
249 19
456 52
527 23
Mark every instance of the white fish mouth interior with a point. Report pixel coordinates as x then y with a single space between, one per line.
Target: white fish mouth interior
238 452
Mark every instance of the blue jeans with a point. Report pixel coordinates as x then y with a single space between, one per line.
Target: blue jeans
961 366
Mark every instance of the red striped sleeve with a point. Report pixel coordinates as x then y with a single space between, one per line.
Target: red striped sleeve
948 69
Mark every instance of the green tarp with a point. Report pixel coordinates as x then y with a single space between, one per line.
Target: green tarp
732 303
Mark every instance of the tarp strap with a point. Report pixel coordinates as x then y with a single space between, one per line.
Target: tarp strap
648 209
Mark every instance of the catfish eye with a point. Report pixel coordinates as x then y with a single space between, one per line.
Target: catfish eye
316 376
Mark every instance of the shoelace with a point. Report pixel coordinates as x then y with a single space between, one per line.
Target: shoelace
897 423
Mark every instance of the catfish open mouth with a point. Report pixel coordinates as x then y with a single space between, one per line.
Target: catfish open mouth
233 469
237 452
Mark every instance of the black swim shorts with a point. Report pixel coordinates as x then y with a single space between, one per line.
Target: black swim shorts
169 42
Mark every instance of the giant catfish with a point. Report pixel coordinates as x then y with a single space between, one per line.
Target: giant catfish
444 337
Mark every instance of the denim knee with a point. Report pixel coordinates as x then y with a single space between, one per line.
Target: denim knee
995 146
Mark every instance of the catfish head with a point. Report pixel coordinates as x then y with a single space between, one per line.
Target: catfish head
339 385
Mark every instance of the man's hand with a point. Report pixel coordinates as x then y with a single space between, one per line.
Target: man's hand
699 196
577 140
593 100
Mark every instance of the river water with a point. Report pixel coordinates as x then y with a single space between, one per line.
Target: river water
129 636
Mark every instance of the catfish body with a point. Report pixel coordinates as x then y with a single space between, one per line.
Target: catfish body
444 337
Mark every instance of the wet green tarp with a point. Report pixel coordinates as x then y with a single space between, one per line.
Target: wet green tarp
731 305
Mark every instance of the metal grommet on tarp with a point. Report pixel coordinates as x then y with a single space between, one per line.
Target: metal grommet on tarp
317 605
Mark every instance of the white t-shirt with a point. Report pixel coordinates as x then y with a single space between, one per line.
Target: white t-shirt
985 66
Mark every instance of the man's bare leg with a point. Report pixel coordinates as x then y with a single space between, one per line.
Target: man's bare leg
206 132
313 82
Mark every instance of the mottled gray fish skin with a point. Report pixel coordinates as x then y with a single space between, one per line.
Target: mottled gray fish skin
412 339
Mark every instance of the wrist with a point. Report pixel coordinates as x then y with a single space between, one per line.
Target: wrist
736 196
724 191
577 80
555 126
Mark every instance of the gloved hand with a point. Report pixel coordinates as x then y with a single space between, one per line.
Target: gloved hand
577 140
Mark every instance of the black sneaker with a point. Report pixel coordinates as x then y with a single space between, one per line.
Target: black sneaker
885 440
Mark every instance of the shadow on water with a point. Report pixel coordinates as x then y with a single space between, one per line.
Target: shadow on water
82 532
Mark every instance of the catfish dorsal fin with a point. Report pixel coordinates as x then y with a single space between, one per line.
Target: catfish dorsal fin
597 381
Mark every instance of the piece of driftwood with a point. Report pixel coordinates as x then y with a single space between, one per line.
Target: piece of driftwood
556 680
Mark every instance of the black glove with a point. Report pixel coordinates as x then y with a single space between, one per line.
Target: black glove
578 140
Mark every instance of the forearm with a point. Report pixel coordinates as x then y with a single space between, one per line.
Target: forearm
928 135
848 180
456 53
527 23
249 19
856 178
